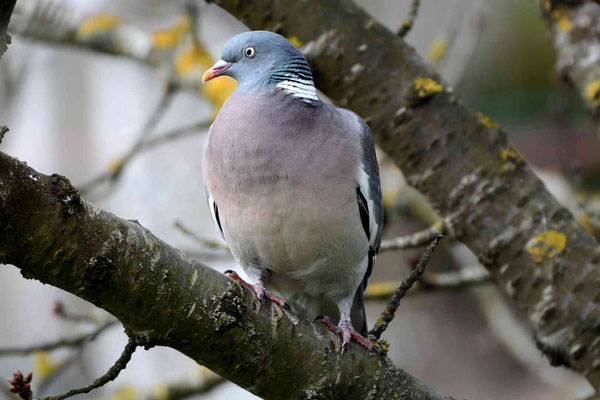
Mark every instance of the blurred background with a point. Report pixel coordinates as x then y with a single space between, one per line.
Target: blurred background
107 93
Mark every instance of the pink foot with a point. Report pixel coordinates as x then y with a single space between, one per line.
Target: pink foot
259 289
347 332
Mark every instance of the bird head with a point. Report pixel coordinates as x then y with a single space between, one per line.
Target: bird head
261 58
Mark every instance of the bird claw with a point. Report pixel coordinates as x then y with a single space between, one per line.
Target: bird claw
259 290
347 332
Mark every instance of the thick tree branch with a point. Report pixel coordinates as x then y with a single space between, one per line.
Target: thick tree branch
462 161
53 235
574 27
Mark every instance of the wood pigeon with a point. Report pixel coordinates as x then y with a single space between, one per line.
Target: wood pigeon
293 185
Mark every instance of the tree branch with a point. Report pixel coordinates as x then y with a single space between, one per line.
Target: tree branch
53 235
463 278
68 342
462 161
574 27
412 16
411 241
6 9
112 373
390 310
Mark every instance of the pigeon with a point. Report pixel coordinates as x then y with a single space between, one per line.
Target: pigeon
293 185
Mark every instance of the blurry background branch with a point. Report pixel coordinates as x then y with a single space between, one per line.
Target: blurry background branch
176 51
406 26
67 342
53 235
390 310
574 27
455 280
462 161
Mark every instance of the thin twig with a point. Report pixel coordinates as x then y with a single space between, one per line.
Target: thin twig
388 314
112 373
113 174
208 243
58 309
68 342
139 143
3 130
412 16
417 239
454 280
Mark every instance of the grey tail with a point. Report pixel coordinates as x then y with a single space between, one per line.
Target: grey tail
358 315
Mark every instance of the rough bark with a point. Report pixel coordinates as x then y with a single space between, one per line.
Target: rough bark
574 27
462 161
6 9
53 235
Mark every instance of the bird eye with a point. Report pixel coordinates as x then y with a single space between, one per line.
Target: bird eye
250 52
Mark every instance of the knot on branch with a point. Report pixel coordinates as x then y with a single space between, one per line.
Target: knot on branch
68 195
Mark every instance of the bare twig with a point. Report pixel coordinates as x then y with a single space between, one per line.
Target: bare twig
455 280
417 239
112 174
412 16
3 130
58 309
115 172
112 373
208 243
68 342
388 314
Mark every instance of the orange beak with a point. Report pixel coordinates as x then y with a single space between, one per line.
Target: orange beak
216 70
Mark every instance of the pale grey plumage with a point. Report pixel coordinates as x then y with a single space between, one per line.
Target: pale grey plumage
293 183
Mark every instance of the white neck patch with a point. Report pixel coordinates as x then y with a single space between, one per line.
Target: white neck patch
303 89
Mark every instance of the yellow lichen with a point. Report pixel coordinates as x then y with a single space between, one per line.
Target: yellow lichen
564 24
426 87
116 164
195 59
585 219
509 153
169 38
43 366
99 23
487 121
295 41
592 92
381 289
439 226
511 156
437 50
160 392
546 245
125 393
390 194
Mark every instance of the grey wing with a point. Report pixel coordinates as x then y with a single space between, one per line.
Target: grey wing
368 193
368 190
214 213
